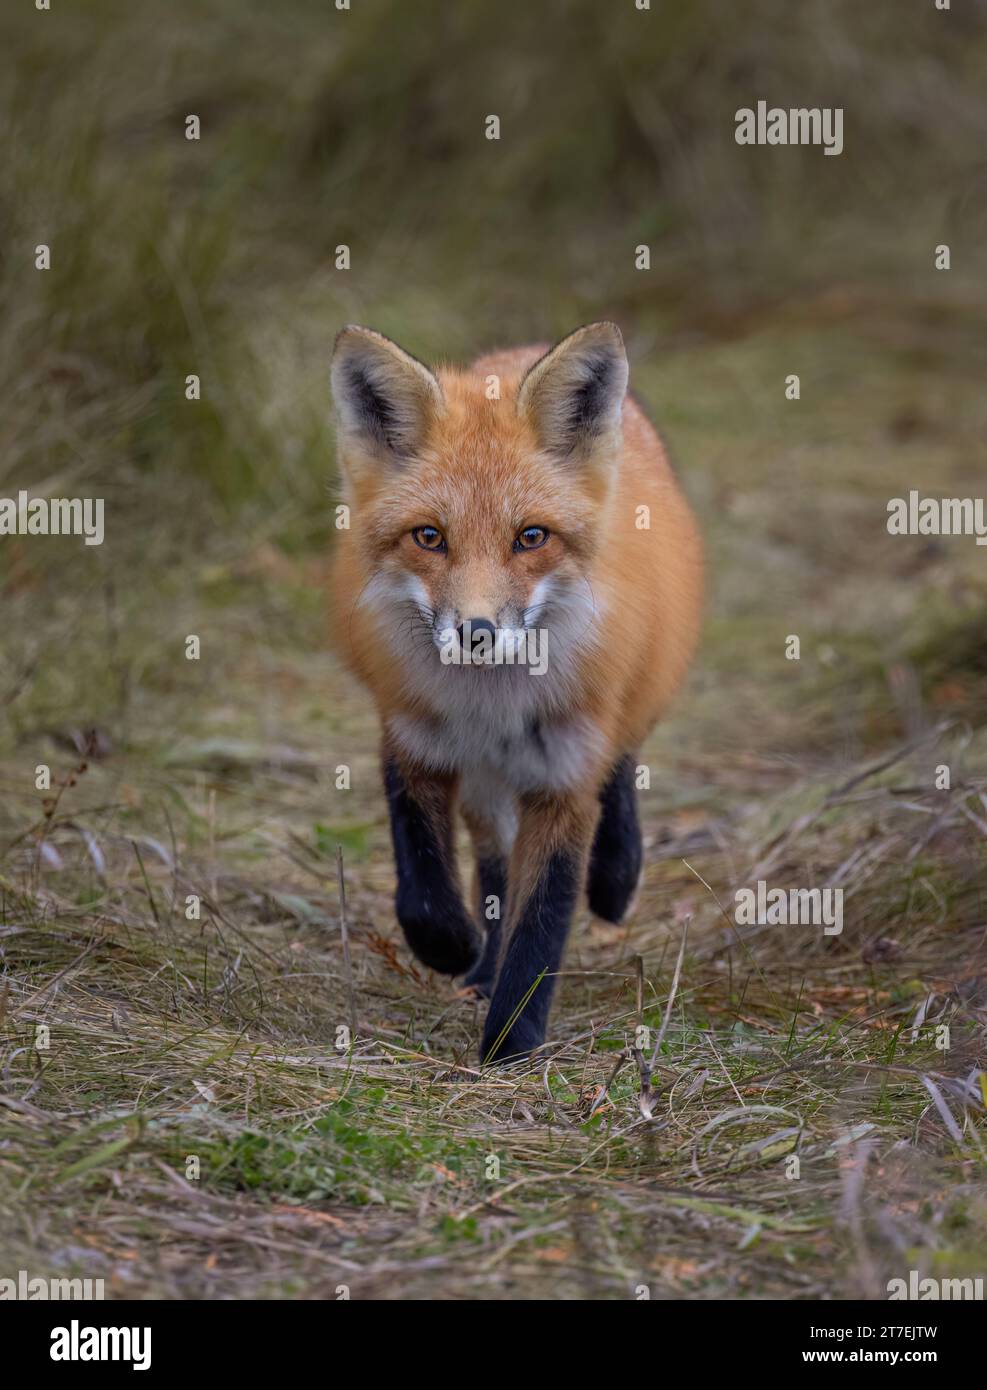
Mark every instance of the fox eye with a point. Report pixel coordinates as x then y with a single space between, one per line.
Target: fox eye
531 538
429 538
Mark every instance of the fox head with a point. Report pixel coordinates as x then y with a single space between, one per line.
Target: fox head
478 498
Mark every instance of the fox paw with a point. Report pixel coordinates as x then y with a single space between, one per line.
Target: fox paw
451 945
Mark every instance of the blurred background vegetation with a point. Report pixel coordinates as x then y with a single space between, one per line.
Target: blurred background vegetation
365 127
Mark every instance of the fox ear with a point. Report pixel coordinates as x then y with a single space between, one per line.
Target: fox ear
574 394
384 396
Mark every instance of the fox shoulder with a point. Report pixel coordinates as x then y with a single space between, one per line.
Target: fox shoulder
511 362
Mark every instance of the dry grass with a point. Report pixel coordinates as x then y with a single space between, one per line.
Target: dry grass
396 1167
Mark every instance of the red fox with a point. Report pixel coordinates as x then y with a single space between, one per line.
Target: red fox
523 504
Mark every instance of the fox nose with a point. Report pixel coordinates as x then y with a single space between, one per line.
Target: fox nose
470 630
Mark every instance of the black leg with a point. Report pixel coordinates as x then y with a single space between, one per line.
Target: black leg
428 901
536 945
616 857
547 865
491 875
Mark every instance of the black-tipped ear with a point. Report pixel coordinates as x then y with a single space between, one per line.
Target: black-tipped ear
574 394
384 396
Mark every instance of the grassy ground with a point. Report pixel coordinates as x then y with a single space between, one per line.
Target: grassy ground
393 1166
189 1121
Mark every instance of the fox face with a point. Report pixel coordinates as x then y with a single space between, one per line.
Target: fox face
480 498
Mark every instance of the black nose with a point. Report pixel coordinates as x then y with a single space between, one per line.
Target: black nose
469 633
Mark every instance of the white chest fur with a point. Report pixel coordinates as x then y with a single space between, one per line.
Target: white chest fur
505 721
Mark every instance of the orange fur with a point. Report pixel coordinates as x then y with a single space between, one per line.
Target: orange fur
512 495
481 475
